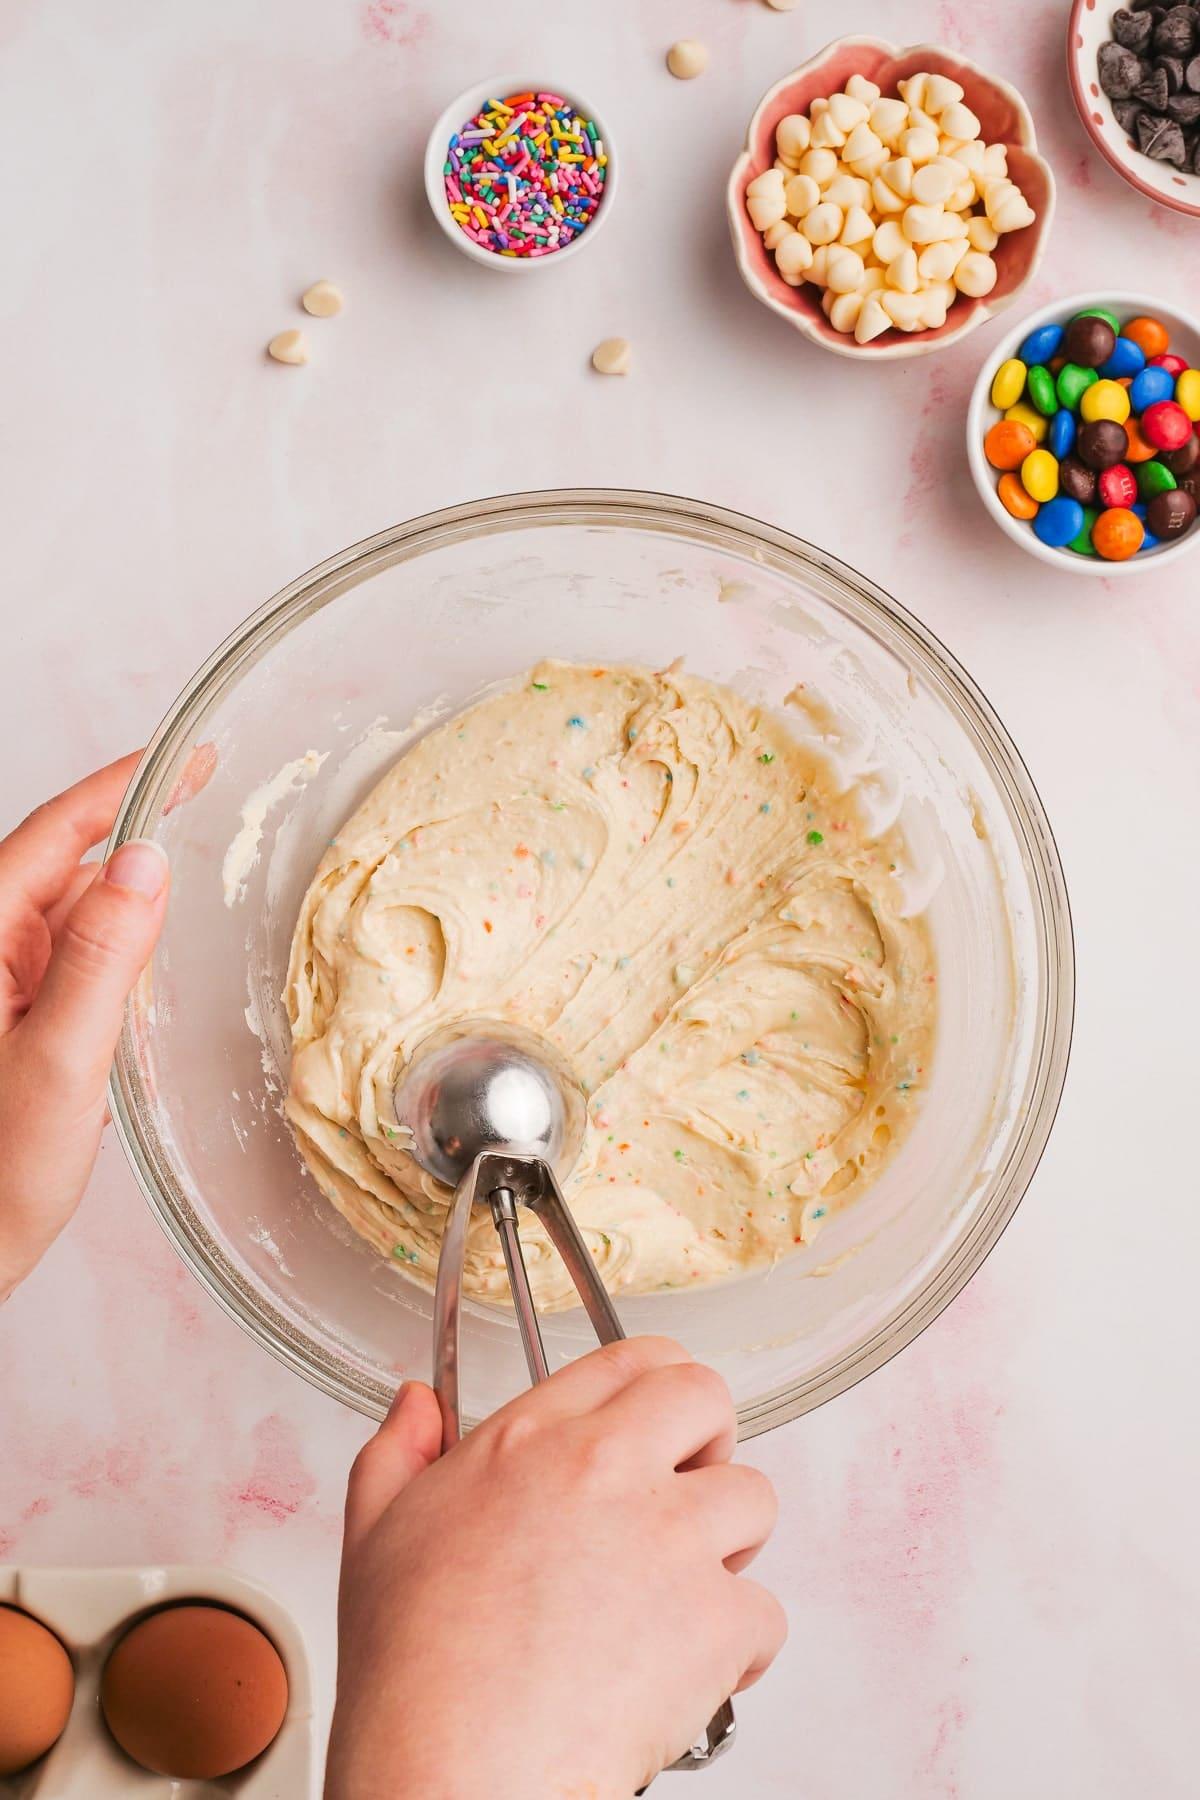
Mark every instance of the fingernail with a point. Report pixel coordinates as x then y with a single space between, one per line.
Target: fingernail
141 866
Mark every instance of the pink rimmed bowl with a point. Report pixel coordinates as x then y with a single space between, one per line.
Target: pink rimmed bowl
1005 119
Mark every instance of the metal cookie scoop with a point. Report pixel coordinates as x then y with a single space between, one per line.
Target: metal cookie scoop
496 1114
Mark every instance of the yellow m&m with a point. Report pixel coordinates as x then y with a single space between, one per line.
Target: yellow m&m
1039 475
1105 400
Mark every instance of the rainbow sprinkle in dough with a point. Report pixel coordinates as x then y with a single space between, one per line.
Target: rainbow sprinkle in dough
526 175
589 851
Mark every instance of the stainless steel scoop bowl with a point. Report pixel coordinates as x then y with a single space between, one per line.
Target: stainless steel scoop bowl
495 1113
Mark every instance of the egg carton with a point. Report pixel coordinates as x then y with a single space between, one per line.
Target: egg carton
89 1609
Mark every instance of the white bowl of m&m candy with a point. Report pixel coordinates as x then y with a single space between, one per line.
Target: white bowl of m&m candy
1082 433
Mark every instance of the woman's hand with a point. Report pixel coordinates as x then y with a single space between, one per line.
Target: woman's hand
554 1608
74 937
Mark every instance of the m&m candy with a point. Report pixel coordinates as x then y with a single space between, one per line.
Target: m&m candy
1095 435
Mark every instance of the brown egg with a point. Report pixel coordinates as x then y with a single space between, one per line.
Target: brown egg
37 1686
194 1692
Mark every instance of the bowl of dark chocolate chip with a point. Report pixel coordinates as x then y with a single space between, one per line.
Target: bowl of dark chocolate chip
1135 76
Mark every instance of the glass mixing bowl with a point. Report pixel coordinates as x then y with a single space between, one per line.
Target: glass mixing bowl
291 722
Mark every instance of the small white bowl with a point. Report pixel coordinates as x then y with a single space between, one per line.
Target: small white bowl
981 415
464 107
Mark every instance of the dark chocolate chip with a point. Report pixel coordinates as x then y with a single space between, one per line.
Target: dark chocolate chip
1133 29
1192 74
1153 91
1173 67
1184 108
1127 113
1161 140
1119 71
1175 33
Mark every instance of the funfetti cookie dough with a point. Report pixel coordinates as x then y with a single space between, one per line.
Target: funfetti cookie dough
653 875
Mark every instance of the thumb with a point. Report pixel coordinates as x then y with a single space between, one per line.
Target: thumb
102 947
409 1439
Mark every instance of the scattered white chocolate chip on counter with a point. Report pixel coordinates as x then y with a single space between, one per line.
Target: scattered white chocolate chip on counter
687 59
613 356
289 347
324 300
891 204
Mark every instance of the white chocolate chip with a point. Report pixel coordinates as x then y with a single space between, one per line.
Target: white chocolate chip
938 261
782 5
844 310
888 119
940 92
766 183
958 121
823 223
981 235
844 270
995 159
872 321
848 190
889 241
857 227
687 59
964 195
874 278
821 164
859 88
970 155
919 120
918 145
885 198
793 136
801 195
913 89
612 356
934 183
765 209
827 134
323 300
816 268
862 145
933 310
847 112
927 224
793 256
898 173
1012 213
904 273
774 235
289 347
784 167
869 165
904 310
975 274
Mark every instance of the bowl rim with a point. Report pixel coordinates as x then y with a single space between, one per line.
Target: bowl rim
464 106
917 343
1052 981
1123 166
983 475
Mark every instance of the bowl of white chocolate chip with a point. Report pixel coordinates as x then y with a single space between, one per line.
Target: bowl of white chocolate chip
888 201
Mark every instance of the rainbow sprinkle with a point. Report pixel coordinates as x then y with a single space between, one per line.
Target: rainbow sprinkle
526 175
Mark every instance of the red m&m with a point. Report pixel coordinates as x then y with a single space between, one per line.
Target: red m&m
1166 425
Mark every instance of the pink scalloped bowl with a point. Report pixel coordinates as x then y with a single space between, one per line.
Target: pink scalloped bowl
1005 119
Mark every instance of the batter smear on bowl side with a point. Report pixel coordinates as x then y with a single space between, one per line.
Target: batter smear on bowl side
651 873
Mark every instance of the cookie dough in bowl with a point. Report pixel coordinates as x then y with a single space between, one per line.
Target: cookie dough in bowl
291 727
658 878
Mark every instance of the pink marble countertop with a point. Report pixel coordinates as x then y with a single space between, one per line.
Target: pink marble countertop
988 1550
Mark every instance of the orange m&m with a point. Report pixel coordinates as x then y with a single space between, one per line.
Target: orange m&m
1117 534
